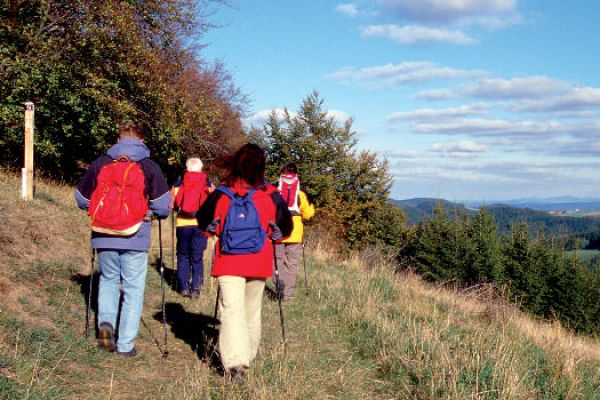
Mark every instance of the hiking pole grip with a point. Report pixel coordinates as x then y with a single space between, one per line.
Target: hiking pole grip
91 286
165 352
279 295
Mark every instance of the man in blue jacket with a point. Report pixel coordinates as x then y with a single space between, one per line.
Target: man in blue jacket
124 259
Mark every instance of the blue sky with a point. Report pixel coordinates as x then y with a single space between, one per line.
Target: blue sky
467 99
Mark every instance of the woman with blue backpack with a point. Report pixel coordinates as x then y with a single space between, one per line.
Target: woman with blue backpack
246 214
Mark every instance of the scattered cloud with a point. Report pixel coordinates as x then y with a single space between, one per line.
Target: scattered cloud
263 115
578 99
494 127
416 34
406 73
463 148
426 114
347 9
517 88
435 94
339 116
448 11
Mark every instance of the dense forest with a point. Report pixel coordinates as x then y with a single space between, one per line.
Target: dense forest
465 250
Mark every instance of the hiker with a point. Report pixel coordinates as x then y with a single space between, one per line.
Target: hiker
187 195
120 190
243 262
288 251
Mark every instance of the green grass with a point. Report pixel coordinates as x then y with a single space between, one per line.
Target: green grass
359 334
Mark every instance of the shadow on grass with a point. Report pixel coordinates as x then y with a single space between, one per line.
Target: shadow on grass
169 274
84 288
199 331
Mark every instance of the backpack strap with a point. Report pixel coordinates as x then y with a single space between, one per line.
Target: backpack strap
226 190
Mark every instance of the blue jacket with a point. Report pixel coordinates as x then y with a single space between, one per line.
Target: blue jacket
156 190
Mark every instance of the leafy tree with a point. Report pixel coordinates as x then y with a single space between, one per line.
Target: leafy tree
88 65
349 188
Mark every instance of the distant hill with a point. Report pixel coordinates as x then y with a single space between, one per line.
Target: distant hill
419 209
564 203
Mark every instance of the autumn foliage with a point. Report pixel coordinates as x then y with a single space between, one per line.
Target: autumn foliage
88 65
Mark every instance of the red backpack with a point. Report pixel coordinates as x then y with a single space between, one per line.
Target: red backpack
118 204
192 193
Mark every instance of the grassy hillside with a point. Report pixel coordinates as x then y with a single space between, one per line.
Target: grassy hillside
363 332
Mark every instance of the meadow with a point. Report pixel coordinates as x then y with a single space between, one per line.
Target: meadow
363 331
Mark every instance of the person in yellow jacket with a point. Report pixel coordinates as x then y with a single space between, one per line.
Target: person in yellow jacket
289 250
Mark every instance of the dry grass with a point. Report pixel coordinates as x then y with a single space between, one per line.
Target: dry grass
363 332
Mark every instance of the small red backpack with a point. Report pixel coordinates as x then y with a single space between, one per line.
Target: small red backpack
118 204
192 193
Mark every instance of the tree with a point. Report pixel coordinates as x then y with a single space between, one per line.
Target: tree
349 188
88 65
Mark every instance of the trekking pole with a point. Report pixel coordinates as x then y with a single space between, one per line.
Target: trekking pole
165 352
279 295
89 302
305 278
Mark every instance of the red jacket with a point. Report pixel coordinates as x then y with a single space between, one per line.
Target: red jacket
271 208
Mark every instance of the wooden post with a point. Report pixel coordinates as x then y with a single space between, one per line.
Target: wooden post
27 187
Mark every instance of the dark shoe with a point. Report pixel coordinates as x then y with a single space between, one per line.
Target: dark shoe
239 376
130 353
106 338
185 293
195 294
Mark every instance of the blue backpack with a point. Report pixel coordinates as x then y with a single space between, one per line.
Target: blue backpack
243 232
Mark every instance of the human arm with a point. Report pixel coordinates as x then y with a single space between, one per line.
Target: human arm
157 189
307 209
88 182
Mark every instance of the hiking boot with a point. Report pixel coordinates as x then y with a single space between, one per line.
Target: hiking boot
185 293
239 376
106 338
130 353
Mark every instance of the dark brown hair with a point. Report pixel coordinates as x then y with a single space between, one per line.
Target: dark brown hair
131 130
246 164
289 168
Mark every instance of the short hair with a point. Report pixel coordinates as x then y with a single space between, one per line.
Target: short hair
131 130
289 168
193 164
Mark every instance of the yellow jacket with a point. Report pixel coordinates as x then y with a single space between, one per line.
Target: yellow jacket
307 211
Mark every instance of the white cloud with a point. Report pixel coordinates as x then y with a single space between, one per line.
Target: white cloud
463 148
339 116
447 11
435 94
578 99
409 72
425 114
264 115
493 127
526 87
348 9
416 34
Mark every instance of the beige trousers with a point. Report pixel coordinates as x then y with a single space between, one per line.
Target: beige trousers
240 306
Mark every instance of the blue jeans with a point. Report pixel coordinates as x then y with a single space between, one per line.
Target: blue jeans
191 244
128 267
